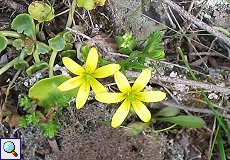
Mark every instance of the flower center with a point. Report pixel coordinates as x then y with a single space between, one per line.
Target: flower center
88 76
131 96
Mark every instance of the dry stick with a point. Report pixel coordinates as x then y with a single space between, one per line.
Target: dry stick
192 109
157 77
197 22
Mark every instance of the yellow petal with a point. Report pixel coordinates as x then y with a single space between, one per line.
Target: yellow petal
72 66
97 86
82 95
151 96
71 83
106 70
91 61
141 110
142 80
110 97
120 114
122 82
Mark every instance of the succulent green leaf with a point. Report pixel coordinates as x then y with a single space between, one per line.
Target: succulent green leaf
42 48
24 23
68 37
87 4
168 112
36 67
187 121
18 44
136 128
47 95
57 43
3 42
49 129
41 11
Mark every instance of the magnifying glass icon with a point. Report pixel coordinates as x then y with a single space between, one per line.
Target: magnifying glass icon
9 147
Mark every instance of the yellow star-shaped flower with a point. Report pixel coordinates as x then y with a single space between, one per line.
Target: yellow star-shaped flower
132 97
87 76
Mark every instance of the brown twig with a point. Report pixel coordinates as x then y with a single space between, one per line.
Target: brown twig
197 22
209 87
192 109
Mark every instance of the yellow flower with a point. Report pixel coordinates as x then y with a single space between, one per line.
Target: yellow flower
132 97
87 76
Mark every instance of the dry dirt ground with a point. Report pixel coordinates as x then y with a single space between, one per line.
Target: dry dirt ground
83 135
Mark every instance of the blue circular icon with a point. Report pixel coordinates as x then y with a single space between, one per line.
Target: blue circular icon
8 146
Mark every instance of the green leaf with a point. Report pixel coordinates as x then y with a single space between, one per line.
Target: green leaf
21 64
57 43
42 48
68 37
26 103
22 122
47 95
187 121
36 67
136 128
168 112
33 118
157 54
24 23
41 11
49 129
90 4
18 44
69 53
4 42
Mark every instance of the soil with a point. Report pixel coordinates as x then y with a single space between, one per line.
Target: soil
86 133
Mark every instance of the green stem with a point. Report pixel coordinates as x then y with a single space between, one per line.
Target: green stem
51 63
165 129
12 34
71 13
8 65
225 128
36 57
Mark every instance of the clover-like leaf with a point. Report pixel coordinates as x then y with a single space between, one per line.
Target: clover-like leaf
47 95
187 121
3 42
24 23
18 44
57 43
42 48
41 11
68 37
90 4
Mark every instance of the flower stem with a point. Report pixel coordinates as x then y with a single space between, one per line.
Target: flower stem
71 13
51 63
12 34
8 65
36 57
219 119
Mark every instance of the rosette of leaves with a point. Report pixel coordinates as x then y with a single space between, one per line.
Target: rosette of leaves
126 43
